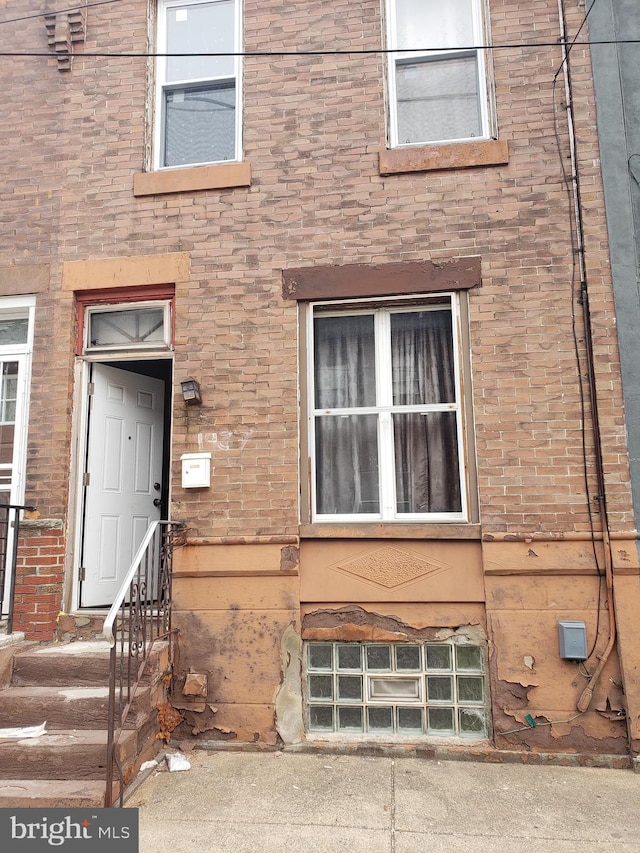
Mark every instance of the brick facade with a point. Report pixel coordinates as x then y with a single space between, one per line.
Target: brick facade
72 144
39 575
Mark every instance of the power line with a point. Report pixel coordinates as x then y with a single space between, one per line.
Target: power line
332 52
50 12
565 58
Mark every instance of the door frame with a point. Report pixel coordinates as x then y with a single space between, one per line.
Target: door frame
79 445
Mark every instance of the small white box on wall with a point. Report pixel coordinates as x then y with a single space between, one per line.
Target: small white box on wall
196 470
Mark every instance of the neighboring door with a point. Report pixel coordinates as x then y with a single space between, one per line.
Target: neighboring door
123 479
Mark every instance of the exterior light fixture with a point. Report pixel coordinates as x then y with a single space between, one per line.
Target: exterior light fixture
191 391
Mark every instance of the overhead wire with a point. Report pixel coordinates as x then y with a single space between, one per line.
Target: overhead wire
576 227
576 249
569 47
49 12
381 51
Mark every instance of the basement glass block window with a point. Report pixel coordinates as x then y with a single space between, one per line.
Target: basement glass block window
433 689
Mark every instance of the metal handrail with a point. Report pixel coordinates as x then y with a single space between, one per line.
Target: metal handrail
5 566
140 615
107 628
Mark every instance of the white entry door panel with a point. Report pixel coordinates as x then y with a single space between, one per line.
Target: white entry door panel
124 467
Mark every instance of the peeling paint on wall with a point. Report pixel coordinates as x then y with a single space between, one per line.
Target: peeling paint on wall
289 558
288 701
357 624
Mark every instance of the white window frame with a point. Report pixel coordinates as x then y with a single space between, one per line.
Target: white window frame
119 307
162 86
19 307
384 408
405 56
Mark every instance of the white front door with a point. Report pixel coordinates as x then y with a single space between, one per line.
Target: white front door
123 477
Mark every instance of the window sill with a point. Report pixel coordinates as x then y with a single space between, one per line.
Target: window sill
219 176
430 158
382 530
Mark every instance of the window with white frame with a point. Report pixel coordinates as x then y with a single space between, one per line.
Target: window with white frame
16 346
437 79
386 436
129 326
198 115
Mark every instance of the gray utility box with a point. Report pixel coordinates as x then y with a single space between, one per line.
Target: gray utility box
573 640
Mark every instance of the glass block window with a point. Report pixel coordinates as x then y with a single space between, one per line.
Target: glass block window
396 688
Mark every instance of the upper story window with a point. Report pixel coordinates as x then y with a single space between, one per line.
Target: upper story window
437 84
385 419
198 95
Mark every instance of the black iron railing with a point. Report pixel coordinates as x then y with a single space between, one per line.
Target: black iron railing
9 533
140 615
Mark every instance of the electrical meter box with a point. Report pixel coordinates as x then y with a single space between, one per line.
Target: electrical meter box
572 637
196 470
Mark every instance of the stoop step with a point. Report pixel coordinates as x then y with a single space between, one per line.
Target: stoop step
82 662
72 663
70 755
64 707
51 793
66 686
60 707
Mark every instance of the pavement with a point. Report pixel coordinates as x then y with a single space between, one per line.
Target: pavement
280 802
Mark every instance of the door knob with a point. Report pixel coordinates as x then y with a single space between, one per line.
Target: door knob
157 502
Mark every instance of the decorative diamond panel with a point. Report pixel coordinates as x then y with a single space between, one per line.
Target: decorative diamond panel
389 567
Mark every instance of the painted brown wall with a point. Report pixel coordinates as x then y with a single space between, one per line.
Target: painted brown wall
232 606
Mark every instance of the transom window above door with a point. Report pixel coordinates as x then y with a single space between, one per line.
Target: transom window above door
137 326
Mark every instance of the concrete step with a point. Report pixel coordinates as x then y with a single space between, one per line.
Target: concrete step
81 662
64 707
51 793
66 686
69 755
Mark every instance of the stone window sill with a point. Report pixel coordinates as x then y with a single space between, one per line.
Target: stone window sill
431 158
219 176
381 530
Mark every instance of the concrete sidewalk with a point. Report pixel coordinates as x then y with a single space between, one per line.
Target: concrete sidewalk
235 802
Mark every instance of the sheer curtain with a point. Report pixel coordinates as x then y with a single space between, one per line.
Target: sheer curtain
425 443
346 445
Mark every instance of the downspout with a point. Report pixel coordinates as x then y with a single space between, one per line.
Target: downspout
587 694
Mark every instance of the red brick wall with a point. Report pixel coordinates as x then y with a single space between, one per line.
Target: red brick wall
39 576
